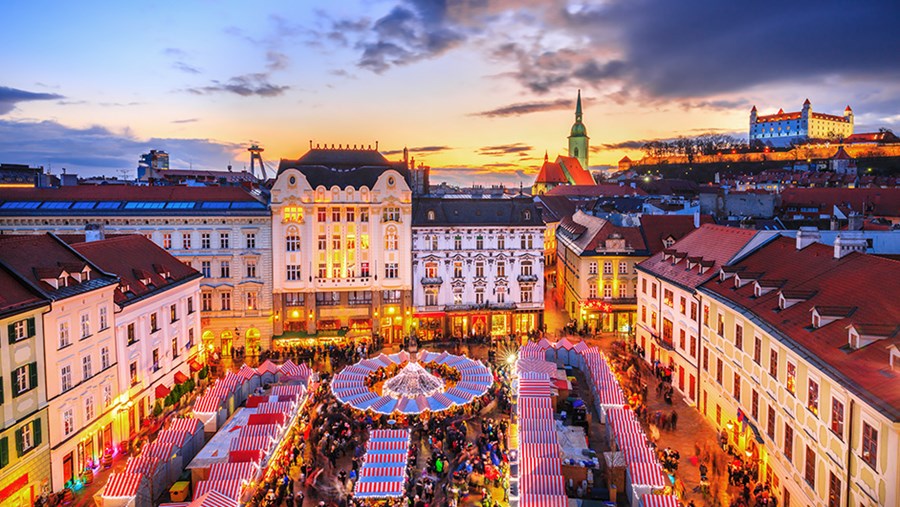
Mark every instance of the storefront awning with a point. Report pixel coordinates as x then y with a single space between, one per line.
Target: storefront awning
433 315
162 391
180 378
195 366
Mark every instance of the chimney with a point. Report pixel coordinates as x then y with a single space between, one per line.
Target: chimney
850 241
93 232
696 220
807 236
855 221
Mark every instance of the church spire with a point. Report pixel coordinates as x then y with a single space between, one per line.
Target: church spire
578 138
578 108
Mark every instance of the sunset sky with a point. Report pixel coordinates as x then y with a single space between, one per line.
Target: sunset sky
477 89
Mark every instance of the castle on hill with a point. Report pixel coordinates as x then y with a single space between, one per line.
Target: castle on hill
782 129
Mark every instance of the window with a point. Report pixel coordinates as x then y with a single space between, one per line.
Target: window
104 320
501 294
737 387
791 383
89 408
479 242
526 294
173 313
434 242
206 269
86 369
720 324
107 395
431 296
607 268
64 334
705 359
479 269
592 268
623 268
167 241
754 404
770 423
250 240
68 422
205 241
788 441
206 302
133 372
364 215
336 242
694 311
810 467
21 329
65 378
457 296
431 270
592 290
479 296
501 268
668 298
226 300
526 268
335 214
225 269
773 363
391 271
104 358
693 350
155 364
643 312
292 241
390 240
682 338
186 241
224 240
719 371
251 269
351 214
623 290
24 378
252 300
501 242
837 418
321 214
786 499
682 305
869 444
457 243
718 415
391 214
85 325
812 397
653 290
130 334
653 320
757 350
323 270
738 337
154 325
644 285
706 315
834 490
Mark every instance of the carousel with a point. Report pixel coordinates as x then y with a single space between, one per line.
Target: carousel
411 383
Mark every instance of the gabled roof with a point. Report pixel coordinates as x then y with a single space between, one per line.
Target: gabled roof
555 207
872 137
551 172
817 280
657 228
577 175
136 259
16 295
876 201
713 243
35 258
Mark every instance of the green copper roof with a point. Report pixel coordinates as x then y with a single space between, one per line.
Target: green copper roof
578 129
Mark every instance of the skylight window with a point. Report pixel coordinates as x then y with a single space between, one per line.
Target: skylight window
56 205
20 205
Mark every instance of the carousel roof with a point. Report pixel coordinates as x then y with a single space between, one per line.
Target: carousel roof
411 381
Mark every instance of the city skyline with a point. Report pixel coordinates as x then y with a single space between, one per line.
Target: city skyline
477 90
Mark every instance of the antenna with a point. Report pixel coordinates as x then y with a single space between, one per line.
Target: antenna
256 155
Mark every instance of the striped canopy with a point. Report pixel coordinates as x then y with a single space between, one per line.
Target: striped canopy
161 450
247 372
659 501
228 488
383 472
379 487
250 444
259 430
187 424
542 484
290 368
267 367
278 407
214 499
122 485
232 471
538 437
524 366
174 436
537 425
646 474
537 500
143 465
288 390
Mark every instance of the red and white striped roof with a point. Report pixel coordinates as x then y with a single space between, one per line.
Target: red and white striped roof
659 501
639 454
174 436
161 450
288 390
379 488
646 474
524 365
380 445
233 471
537 425
540 408
542 484
247 372
214 499
289 368
278 407
229 488
535 388
387 457
122 485
537 500
142 465
188 424
250 444
397 471
259 430
531 351
538 437
267 367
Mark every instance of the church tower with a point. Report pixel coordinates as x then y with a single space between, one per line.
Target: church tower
578 138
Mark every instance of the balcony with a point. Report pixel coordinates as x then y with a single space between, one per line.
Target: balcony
613 301
339 283
527 278
432 280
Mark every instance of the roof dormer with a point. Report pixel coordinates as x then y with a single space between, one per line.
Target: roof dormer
763 286
824 315
668 253
788 298
678 257
162 271
894 351
705 265
741 279
726 272
692 261
860 335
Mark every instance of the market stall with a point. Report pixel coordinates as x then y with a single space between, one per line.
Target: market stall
384 465
194 429
149 467
169 456
246 471
659 501
267 371
642 478
126 490
251 380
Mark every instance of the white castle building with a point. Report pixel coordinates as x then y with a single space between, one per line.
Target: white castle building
781 129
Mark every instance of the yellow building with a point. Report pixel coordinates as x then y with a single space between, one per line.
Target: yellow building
800 367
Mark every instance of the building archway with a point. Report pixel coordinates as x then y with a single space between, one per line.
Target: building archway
208 340
251 341
227 338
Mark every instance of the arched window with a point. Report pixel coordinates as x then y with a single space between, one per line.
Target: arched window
430 215
576 151
292 240
526 215
390 239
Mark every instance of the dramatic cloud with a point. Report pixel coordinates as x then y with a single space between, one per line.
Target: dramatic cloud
97 150
9 97
419 149
529 107
504 149
253 84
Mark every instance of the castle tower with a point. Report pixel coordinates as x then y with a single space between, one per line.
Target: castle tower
578 138
848 113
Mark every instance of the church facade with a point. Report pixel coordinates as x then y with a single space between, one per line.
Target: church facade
571 170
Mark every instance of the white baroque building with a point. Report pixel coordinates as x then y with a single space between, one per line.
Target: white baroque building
478 266
341 229
781 129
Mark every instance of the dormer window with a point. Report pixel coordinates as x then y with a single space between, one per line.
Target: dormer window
816 320
782 302
62 281
430 215
757 291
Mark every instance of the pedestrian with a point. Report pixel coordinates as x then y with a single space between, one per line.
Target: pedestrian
673 420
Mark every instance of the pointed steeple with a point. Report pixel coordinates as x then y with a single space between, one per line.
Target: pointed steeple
578 108
546 156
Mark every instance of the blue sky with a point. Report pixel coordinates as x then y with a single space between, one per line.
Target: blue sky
91 85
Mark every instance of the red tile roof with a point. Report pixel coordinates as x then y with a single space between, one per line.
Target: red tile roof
778 117
578 175
16 295
876 201
135 258
596 190
551 172
35 257
127 193
657 228
872 137
824 281
710 242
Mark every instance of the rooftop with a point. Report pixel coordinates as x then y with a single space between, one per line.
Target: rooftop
814 278
343 167
596 191
508 212
875 201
